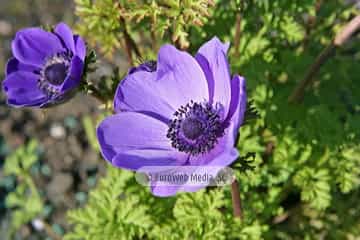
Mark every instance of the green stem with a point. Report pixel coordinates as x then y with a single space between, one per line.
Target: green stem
31 184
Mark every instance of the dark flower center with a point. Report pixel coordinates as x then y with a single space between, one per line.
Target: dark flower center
56 73
192 128
53 73
195 128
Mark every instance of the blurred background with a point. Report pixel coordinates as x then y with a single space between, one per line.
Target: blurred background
66 166
304 181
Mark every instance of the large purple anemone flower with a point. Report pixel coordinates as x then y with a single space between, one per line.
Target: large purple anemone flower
46 67
177 111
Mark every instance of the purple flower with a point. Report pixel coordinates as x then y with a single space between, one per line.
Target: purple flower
46 67
181 111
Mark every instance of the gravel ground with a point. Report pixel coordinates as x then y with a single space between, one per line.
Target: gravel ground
69 166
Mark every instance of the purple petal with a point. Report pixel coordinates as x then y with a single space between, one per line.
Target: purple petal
224 159
180 78
217 161
80 47
14 65
212 58
74 77
65 34
127 131
234 102
225 46
135 159
204 63
222 155
224 144
164 191
238 101
33 45
59 99
139 92
22 90
161 188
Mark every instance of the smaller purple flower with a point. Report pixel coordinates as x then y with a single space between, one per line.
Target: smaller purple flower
46 67
178 112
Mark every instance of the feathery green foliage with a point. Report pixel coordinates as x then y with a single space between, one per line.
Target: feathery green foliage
118 212
118 209
25 200
105 23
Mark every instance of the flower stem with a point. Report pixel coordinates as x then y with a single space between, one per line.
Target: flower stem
129 43
299 91
237 35
153 39
236 200
344 35
311 22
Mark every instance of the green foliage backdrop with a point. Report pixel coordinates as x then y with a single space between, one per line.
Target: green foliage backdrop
305 174
303 182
